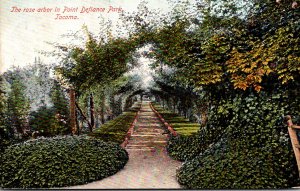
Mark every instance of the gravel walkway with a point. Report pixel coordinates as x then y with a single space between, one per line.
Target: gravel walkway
149 165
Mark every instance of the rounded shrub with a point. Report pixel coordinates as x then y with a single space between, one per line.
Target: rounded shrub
188 147
256 168
184 148
59 161
253 150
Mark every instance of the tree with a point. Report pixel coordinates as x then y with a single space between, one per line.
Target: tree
38 82
60 108
6 132
52 120
18 107
44 122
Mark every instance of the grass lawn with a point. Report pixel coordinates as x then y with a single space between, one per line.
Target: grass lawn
180 124
116 129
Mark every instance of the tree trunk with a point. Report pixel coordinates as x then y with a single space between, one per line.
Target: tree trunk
111 112
203 119
80 126
204 113
77 124
102 110
84 117
174 105
102 115
72 112
92 111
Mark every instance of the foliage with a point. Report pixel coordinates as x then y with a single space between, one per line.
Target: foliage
116 130
268 56
49 107
103 61
60 108
256 168
174 95
241 49
256 52
111 99
38 82
181 125
46 122
18 106
253 150
185 148
6 132
43 121
59 161
244 59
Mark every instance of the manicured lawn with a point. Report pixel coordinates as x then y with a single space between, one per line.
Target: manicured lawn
180 124
116 129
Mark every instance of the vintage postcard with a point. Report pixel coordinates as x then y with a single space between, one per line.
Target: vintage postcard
149 94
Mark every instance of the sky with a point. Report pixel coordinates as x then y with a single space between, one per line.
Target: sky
25 27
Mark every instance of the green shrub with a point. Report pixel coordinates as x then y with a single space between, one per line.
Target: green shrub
184 147
6 142
116 129
59 161
244 146
231 167
180 124
187 144
44 121
188 147
251 169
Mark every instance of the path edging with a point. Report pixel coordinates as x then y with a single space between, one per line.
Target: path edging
167 125
131 129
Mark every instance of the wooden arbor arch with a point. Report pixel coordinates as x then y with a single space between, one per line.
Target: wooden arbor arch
292 130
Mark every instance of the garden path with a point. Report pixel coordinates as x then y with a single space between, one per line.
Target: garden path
149 165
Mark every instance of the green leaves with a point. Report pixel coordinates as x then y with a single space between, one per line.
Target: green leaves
116 129
18 106
102 61
244 146
59 161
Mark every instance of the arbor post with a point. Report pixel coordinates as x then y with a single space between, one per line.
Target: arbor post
92 111
294 139
72 111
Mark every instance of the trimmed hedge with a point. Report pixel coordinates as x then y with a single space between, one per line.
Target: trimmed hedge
116 129
229 166
245 145
180 124
191 140
187 135
59 162
253 169
185 148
